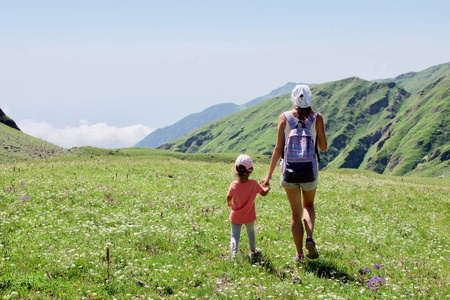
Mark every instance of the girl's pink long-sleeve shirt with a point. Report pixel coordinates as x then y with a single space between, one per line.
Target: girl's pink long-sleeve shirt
243 206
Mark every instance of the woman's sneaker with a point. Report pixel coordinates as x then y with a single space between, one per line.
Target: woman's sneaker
311 247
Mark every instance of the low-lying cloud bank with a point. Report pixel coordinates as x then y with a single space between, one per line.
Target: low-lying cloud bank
99 135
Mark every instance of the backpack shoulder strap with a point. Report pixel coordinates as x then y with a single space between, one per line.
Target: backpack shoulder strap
292 121
310 120
316 149
313 118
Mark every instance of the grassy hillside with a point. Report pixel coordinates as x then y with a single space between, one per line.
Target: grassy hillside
16 145
157 227
360 116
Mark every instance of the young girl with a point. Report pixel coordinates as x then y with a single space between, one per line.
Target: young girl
241 199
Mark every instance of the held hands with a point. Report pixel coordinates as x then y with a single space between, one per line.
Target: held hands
266 185
265 181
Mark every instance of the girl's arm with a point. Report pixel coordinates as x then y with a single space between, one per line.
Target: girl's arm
278 150
265 191
230 200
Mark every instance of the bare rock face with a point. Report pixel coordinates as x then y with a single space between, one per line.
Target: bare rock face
7 120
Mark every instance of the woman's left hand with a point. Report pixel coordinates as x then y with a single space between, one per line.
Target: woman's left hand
265 181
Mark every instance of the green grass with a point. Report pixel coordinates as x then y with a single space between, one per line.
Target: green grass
165 222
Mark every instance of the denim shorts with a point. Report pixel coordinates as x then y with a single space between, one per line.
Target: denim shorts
307 186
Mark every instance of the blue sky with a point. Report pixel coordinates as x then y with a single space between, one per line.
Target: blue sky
106 73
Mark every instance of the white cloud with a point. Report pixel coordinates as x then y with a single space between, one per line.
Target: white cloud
99 135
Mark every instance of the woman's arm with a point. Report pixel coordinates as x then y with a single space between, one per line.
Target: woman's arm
278 150
321 137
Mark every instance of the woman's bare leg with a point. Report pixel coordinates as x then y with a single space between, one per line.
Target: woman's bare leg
295 200
309 214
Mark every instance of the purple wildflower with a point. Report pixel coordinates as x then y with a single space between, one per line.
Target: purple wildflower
132 192
99 185
365 271
193 228
149 204
376 282
26 198
377 266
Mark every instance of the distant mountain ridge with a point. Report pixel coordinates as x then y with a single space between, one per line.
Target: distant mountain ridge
196 120
378 126
414 81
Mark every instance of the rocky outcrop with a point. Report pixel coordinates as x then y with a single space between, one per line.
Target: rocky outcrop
7 120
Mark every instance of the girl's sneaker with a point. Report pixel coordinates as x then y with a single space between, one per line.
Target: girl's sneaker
311 247
257 253
299 258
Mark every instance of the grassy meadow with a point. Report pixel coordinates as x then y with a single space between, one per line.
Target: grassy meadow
132 227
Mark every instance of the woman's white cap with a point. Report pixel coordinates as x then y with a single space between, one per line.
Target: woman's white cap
301 96
244 160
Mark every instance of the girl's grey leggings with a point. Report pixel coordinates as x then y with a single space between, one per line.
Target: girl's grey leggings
236 234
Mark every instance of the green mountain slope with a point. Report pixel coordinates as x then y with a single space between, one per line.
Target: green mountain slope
16 145
417 139
361 117
193 121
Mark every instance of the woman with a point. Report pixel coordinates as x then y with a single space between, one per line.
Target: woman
301 98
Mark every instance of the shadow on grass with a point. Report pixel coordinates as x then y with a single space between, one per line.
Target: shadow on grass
320 268
325 269
265 262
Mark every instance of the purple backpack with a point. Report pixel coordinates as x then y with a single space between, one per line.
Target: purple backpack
300 160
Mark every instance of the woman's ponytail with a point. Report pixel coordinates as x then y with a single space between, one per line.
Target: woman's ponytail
303 113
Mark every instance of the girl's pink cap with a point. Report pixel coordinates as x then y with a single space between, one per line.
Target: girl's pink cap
244 160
